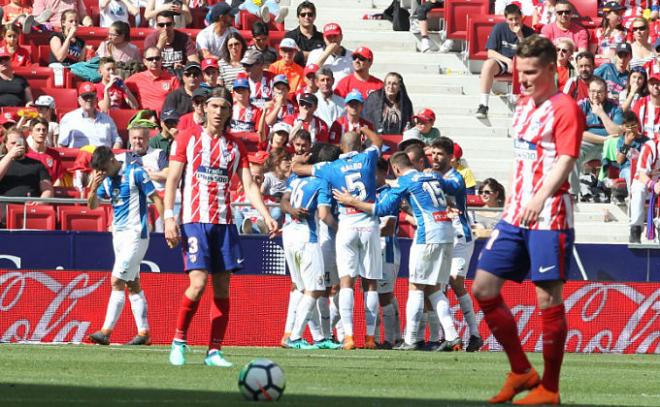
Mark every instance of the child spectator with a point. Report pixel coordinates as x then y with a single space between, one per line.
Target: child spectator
112 91
287 66
261 82
19 55
210 73
245 116
279 137
281 106
309 78
616 74
279 169
261 43
629 146
65 47
111 11
423 130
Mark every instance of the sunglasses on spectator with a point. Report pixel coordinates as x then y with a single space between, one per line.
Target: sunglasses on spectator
563 50
485 192
359 58
88 97
161 25
193 74
639 28
307 14
306 105
4 60
563 12
153 59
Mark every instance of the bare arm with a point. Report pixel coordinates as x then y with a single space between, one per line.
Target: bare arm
558 174
345 198
492 54
253 195
374 137
172 231
158 203
92 198
47 190
131 7
593 138
60 49
325 214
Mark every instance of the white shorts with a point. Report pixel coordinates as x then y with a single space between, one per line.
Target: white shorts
430 263
305 261
359 253
390 273
130 249
461 255
331 277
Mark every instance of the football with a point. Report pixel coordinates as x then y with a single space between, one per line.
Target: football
261 380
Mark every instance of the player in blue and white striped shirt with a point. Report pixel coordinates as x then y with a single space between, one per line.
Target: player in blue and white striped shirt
128 188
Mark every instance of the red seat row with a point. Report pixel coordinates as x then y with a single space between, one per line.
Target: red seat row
45 217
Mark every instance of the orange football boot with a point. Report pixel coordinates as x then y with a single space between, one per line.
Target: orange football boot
514 384
370 342
539 395
349 344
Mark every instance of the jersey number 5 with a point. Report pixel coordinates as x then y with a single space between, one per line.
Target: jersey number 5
355 186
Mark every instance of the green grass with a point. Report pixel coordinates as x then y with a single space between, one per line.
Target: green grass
72 375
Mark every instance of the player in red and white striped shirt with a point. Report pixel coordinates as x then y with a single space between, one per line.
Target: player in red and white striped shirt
207 158
536 233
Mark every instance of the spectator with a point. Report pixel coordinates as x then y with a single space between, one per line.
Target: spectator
86 125
210 73
118 45
112 92
39 150
389 109
421 14
423 130
493 196
643 52
181 99
611 32
636 88
306 120
278 165
233 50
154 84
360 79
616 74
265 9
210 40
565 70
603 119
544 13
45 106
301 143
281 105
565 27
245 116
169 123
653 66
330 106
287 66
177 48
334 55
19 55
21 175
248 219
461 165
351 120
309 80
577 86
14 11
647 108
177 8
14 89
8 120
279 137
52 12
629 146
260 81
112 11
501 46
153 160
65 47
306 36
261 43
644 182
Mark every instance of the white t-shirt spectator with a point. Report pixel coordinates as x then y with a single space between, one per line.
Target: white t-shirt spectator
77 130
115 10
340 66
209 40
272 185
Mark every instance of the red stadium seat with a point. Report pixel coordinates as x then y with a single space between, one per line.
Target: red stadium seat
31 217
456 13
121 118
35 38
92 35
479 29
67 157
83 219
192 32
474 200
247 19
40 77
392 141
67 192
66 100
586 8
138 36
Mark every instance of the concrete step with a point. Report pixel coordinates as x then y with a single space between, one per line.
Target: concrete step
324 4
469 121
467 133
599 232
420 88
459 101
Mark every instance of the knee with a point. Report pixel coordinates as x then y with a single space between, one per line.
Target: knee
480 291
489 68
197 287
221 291
134 287
118 285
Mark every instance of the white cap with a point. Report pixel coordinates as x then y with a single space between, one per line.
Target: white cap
281 126
410 136
45 100
288 43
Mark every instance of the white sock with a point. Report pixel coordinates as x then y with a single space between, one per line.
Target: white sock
434 327
323 305
139 308
315 325
303 314
421 329
468 314
340 331
346 310
294 298
441 306
483 98
334 310
115 307
389 320
397 316
414 312
370 311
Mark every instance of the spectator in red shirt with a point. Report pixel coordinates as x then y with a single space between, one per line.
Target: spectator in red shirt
154 84
39 151
245 117
197 116
281 106
360 79
306 120
112 91
565 48
565 27
19 55
577 86
351 120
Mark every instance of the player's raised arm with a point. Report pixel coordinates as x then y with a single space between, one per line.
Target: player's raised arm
92 199
299 165
172 232
253 195
375 138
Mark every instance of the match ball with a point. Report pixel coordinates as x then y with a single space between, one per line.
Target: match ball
261 380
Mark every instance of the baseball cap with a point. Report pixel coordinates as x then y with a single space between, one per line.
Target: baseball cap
331 29
612 6
364 52
281 78
221 9
202 91
170 115
425 115
86 88
458 151
258 158
46 101
354 95
252 56
654 77
192 65
210 63
311 68
241 83
309 98
281 126
8 117
411 136
288 43
624 47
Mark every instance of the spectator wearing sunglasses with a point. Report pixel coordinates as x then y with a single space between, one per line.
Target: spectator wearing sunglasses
306 36
261 43
154 84
351 120
181 99
177 48
306 120
360 80
565 48
565 27
492 194
611 32
644 51
616 73
577 86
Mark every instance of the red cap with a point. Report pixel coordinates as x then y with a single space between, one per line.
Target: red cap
655 76
364 52
8 117
331 29
210 63
86 87
4 52
311 68
458 151
425 115
258 158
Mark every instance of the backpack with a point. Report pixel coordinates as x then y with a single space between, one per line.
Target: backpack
87 70
399 16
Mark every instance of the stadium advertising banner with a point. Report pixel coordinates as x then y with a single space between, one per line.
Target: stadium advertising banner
66 306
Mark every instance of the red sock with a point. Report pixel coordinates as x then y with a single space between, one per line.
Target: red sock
187 311
502 324
219 321
554 339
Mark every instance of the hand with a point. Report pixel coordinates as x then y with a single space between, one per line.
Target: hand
96 179
656 188
172 233
343 197
162 39
300 158
629 137
279 99
299 213
597 109
273 227
531 211
332 48
72 32
17 152
633 88
517 29
175 8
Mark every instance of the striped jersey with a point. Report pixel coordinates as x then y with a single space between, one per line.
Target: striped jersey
210 163
128 192
649 116
389 244
648 162
540 135
308 193
461 222
244 119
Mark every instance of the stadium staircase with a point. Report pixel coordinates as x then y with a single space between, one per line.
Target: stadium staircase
444 83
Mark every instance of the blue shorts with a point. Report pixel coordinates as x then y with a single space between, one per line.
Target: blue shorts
511 252
211 247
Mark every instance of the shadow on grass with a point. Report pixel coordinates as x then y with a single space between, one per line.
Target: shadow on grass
21 394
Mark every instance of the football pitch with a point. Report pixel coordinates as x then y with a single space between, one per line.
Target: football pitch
73 375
